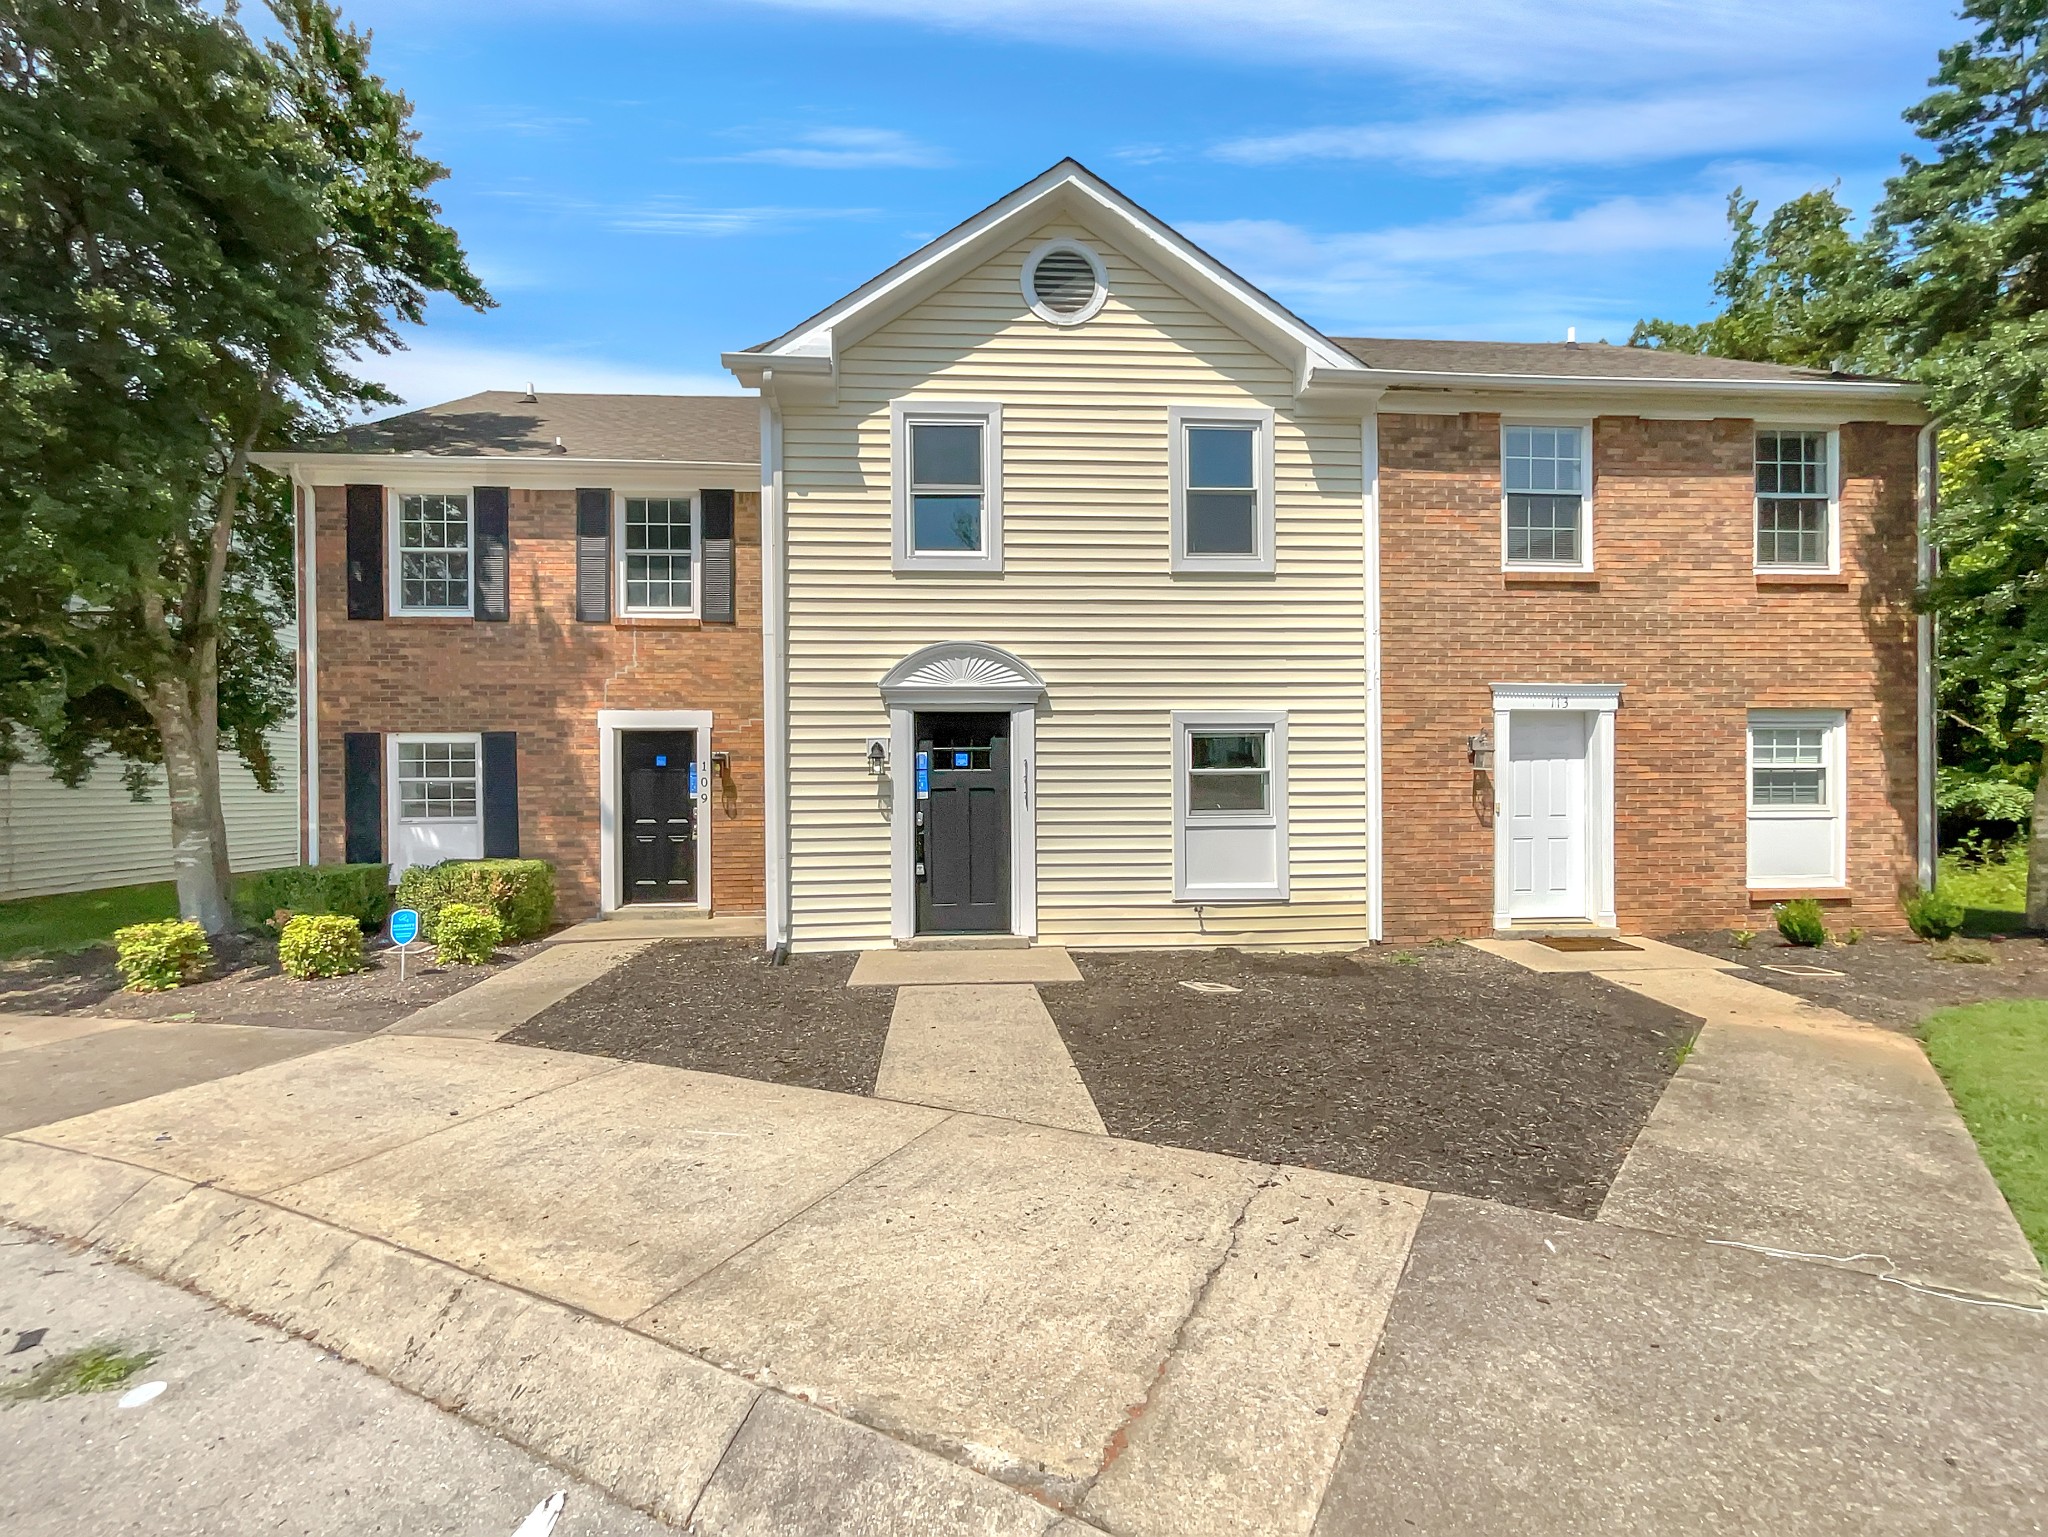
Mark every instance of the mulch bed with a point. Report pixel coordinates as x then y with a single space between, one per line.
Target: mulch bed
1444 1068
246 988
719 1006
1886 981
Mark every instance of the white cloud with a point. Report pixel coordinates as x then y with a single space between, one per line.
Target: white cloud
669 215
1581 132
849 149
433 370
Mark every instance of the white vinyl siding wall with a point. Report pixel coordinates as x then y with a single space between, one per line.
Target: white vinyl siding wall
54 839
1087 598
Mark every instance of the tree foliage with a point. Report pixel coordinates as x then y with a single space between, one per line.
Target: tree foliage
200 237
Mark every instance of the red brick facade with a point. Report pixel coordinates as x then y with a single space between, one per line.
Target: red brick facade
1674 613
545 676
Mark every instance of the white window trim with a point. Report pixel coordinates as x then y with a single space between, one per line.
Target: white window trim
392 800
392 563
1834 725
989 414
1584 427
1053 317
619 553
1832 566
1178 420
1185 724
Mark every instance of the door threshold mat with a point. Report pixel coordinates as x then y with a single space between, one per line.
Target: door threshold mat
1805 971
1576 942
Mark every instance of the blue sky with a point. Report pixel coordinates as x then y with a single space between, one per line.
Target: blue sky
644 185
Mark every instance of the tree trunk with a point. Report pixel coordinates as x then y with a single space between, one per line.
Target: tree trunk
199 845
2037 855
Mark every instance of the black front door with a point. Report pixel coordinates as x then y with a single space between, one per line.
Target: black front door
659 845
963 824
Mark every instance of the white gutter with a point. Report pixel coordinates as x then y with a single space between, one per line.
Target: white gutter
1821 389
291 461
309 669
1926 499
1375 817
774 673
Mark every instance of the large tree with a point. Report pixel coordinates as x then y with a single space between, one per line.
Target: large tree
200 237
1965 234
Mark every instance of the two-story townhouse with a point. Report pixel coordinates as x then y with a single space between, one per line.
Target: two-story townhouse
530 625
1107 602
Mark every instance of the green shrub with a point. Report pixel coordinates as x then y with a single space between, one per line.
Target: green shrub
361 892
320 945
1801 922
156 957
466 935
520 892
1742 939
1932 914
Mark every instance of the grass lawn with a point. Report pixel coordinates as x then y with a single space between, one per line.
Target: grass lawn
1994 1059
1993 894
78 920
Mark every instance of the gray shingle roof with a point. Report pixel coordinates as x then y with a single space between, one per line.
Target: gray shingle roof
705 429
1589 360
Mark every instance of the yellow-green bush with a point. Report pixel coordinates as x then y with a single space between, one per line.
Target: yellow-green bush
156 957
320 945
467 935
1802 922
521 892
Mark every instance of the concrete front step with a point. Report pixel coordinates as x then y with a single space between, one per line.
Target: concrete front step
964 942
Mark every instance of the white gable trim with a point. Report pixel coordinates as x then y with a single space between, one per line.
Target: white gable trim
1070 191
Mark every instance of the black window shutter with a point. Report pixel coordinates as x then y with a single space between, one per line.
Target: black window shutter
594 555
717 605
366 552
362 797
493 595
501 794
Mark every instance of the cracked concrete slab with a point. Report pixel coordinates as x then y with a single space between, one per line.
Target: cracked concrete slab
276 1125
1646 955
989 1050
63 1076
507 999
1239 1437
1556 1378
1826 1139
966 968
613 1192
1721 998
19 1031
1000 1292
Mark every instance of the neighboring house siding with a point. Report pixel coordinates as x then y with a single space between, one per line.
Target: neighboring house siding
1087 599
1673 612
544 675
56 839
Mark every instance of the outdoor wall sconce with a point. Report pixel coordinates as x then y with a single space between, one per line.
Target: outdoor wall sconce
1479 752
878 754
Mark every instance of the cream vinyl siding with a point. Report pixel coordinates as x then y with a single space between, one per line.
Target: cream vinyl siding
1086 597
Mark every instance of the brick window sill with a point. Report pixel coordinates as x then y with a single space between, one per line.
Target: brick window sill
1569 581
655 622
441 620
1801 579
1799 893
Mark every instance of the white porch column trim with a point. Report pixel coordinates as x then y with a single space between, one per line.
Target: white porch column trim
1599 701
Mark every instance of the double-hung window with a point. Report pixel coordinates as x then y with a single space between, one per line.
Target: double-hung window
1230 806
948 485
1546 514
436 798
433 539
1796 790
1795 499
1220 459
657 551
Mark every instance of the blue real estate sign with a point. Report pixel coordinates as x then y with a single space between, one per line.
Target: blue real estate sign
405 926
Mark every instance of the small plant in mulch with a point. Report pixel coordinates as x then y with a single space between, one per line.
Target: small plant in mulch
467 935
1852 936
1961 952
320 945
1931 914
1742 939
94 1369
156 957
1801 922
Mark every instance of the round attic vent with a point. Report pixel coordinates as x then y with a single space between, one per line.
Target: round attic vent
1063 283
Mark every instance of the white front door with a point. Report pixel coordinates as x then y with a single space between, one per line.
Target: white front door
1546 811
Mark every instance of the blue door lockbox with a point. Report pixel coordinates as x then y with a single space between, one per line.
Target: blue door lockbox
960 760
693 776
924 776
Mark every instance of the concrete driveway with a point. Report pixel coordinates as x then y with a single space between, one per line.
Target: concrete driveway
754 1308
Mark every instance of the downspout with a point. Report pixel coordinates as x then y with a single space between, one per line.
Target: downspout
309 667
774 672
1925 503
1375 818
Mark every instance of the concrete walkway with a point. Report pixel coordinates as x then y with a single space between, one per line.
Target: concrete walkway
989 1050
1793 1127
505 1000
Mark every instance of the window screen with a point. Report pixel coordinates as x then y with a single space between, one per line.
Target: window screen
1543 477
1222 490
946 488
1788 766
1792 496
433 552
658 553
437 781
1229 773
